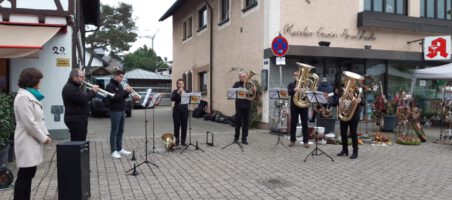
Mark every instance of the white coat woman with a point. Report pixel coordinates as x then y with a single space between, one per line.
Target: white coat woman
30 134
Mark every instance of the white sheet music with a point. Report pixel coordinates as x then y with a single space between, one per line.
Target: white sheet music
236 93
147 99
191 98
278 93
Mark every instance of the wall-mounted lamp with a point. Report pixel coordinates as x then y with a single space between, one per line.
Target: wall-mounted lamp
324 43
367 46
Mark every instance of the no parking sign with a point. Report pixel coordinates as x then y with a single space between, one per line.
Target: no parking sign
280 46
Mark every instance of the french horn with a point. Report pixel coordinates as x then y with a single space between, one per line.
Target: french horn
169 140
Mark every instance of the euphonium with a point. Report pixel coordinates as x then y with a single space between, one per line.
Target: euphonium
306 81
249 85
170 141
349 100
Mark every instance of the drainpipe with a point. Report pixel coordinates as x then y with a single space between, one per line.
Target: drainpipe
210 57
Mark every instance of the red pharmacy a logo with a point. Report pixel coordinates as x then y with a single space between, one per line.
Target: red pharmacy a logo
438 46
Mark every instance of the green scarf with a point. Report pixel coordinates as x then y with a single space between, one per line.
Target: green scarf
36 93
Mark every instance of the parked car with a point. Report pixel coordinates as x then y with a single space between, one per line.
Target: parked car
98 107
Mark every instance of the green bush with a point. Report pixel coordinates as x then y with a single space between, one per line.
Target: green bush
7 120
256 106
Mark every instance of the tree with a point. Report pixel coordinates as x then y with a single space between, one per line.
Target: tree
144 58
117 31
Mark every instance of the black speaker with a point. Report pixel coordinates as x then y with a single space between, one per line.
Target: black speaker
73 170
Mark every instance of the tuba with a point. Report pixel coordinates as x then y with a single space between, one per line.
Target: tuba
249 85
349 100
170 141
307 81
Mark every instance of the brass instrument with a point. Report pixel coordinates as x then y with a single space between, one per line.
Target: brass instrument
132 92
349 100
101 92
306 81
170 141
249 85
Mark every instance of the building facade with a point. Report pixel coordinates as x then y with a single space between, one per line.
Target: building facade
382 39
47 35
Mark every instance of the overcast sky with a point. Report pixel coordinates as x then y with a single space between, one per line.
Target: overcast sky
147 14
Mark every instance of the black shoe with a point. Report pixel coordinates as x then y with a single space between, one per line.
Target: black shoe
183 144
354 155
235 141
244 142
342 153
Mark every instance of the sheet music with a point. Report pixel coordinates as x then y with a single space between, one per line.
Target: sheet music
147 99
236 93
278 93
191 98
320 97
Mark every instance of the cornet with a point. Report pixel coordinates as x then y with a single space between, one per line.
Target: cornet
101 92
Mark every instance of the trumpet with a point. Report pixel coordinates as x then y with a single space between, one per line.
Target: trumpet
132 92
101 92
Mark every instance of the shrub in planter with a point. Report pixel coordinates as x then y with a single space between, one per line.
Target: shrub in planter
7 120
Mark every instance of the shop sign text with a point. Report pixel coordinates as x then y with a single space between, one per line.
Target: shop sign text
322 32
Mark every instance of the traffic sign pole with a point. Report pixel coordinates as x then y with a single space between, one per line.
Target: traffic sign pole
280 47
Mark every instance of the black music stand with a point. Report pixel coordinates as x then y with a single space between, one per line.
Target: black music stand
190 99
150 101
280 95
233 93
316 98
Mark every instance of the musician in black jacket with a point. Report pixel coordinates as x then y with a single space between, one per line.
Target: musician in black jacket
117 113
242 111
76 102
353 124
180 113
296 112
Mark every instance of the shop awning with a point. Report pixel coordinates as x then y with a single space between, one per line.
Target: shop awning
19 41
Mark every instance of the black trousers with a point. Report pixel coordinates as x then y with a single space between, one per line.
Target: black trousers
180 118
242 118
78 127
22 188
353 124
303 114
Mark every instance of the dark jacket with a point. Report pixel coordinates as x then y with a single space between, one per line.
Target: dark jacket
241 103
76 100
117 102
176 97
291 90
325 87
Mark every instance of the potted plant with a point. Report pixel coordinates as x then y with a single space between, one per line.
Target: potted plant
389 117
7 125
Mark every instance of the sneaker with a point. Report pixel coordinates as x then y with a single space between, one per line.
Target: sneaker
116 155
125 152
306 145
244 142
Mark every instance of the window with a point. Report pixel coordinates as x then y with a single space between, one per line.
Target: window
437 9
203 82
187 28
386 6
189 82
224 11
249 4
202 15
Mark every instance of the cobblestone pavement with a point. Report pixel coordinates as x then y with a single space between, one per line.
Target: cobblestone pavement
391 172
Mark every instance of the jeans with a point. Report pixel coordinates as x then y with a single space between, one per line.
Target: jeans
117 130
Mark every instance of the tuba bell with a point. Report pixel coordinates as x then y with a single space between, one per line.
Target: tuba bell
307 81
350 99
169 140
249 85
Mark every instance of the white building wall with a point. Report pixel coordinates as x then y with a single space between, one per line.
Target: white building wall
54 77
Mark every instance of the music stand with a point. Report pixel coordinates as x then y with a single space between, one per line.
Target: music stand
191 99
236 93
150 101
316 98
280 95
